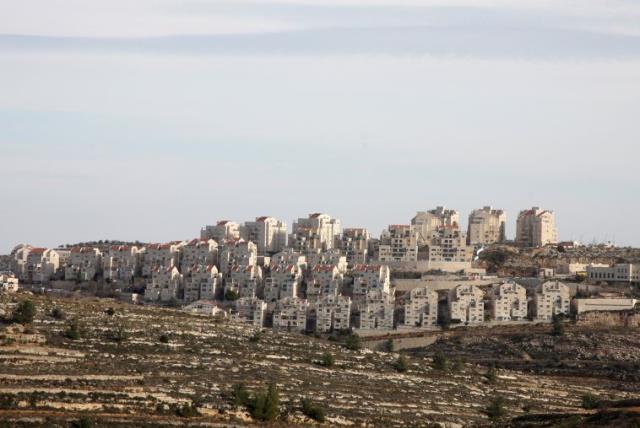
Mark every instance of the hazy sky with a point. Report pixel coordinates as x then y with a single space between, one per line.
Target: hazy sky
146 119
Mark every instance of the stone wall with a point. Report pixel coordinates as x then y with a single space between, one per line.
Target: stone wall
609 319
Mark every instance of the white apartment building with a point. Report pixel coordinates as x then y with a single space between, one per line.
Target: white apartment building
283 282
9 283
245 280
426 223
122 262
289 256
332 257
449 244
552 299
221 231
354 243
398 243
42 264
367 278
466 304
161 255
205 307
268 233
621 272
198 252
290 314
84 264
377 311
333 313
317 232
508 302
201 283
486 226
249 310
237 253
421 310
165 284
536 228
19 260
326 280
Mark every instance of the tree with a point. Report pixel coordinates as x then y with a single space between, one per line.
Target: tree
496 409
354 342
440 361
231 295
312 410
558 327
73 330
119 333
327 359
388 345
266 405
24 312
590 401
401 364
164 338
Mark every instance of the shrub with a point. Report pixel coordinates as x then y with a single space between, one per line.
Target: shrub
388 345
187 411
558 327
58 314
110 311
354 342
401 364
312 410
230 295
491 375
163 338
73 330
496 409
440 361
590 401
266 404
83 422
240 395
327 359
458 364
119 333
257 335
24 312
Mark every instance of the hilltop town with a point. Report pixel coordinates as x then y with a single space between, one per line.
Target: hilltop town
427 307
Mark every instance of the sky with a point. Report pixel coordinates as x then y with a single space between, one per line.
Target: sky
146 120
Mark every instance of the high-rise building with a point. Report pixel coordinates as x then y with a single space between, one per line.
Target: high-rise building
486 226
536 228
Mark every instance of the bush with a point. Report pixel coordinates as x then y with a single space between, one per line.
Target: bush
491 375
440 361
496 410
163 338
255 338
266 404
187 411
83 422
388 345
558 327
241 395
327 359
590 401
58 314
24 312
354 342
110 311
73 330
401 364
312 410
230 295
119 333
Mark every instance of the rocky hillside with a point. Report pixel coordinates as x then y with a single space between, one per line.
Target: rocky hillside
102 363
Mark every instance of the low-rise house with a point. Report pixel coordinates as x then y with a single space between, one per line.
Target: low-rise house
221 231
326 280
8 282
199 252
354 244
332 257
370 277
237 253
377 311
290 314
245 280
604 305
161 255
283 282
201 283
621 272
249 310
551 300
205 307
421 310
508 302
333 313
466 304
84 264
165 284
122 263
